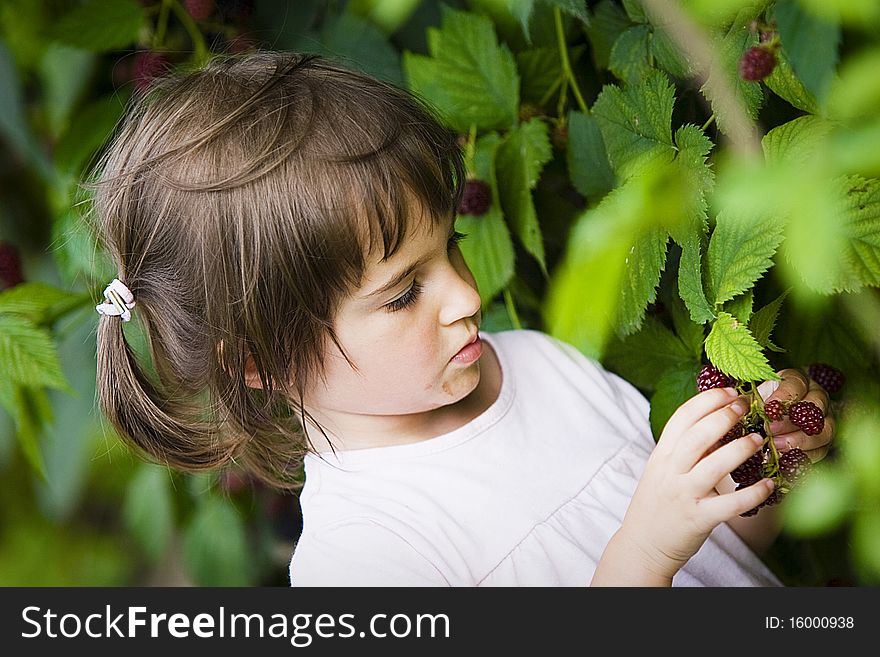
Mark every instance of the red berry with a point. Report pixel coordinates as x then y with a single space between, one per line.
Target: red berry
807 417
830 378
711 377
774 498
793 465
200 10
10 266
757 63
148 65
774 409
751 471
476 198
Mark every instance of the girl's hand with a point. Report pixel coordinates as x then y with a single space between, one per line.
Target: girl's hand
798 386
675 506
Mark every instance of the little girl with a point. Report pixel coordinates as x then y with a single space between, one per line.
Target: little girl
284 229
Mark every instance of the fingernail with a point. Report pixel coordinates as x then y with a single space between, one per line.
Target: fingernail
739 406
757 438
770 484
781 443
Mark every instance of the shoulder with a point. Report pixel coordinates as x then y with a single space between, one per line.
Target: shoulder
360 552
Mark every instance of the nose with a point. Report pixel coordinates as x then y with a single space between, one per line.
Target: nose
461 298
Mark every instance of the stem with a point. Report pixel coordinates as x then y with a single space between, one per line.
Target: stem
511 309
709 122
566 65
469 149
161 24
550 91
195 34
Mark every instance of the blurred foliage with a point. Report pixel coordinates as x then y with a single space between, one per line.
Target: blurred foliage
649 206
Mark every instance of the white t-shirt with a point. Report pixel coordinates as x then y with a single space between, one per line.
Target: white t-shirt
526 494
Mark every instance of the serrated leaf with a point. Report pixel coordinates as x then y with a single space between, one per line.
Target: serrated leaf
740 251
29 355
23 405
215 546
861 221
587 160
690 278
764 319
100 25
635 11
469 77
784 83
32 299
795 142
519 161
674 388
630 58
741 306
643 357
668 55
636 123
361 44
488 249
731 348
644 263
148 509
523 9
691 333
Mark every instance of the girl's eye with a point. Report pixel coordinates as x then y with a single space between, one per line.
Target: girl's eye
412 294
407 299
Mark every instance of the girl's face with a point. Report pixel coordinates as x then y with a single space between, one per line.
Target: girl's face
401 329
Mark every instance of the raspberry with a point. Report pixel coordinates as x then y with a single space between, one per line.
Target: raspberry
711 377
476 198
830 378
793 465
774 409
10 266
148 65
756 63
200 10
807 416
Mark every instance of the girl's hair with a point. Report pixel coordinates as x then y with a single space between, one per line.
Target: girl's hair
239 203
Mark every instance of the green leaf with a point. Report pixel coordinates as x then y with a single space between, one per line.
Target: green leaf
630 58
32 299
861 221
636 123
811 45
523 9
519 161
215 545
587 160
673 389
29 355
469 76
635 11
762 322
644 263
89 129
795 142
360 44
668 55
819 503
28 408
148 509
488 249
785 84
608 22
741 306
731 348
100 25
65 73
748 95
690 278
740 251
643 357
691 333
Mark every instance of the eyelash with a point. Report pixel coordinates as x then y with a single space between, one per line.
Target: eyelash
412 294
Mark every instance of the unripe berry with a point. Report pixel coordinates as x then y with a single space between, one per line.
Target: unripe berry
476 198
756 63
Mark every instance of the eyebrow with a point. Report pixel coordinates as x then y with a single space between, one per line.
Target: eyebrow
399 277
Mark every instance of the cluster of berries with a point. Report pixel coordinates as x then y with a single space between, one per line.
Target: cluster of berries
786 468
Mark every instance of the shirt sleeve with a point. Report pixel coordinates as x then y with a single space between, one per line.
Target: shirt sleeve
361 553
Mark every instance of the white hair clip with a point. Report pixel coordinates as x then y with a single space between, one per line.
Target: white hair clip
118 300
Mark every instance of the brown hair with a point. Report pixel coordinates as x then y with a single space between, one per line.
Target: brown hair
239 203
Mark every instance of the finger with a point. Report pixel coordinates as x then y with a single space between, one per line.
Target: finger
705 433
793 385
709 471
695 408
817 454
729 505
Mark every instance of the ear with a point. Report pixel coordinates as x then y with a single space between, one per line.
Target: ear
251 377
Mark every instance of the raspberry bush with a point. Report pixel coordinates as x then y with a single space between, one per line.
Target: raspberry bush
679 217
